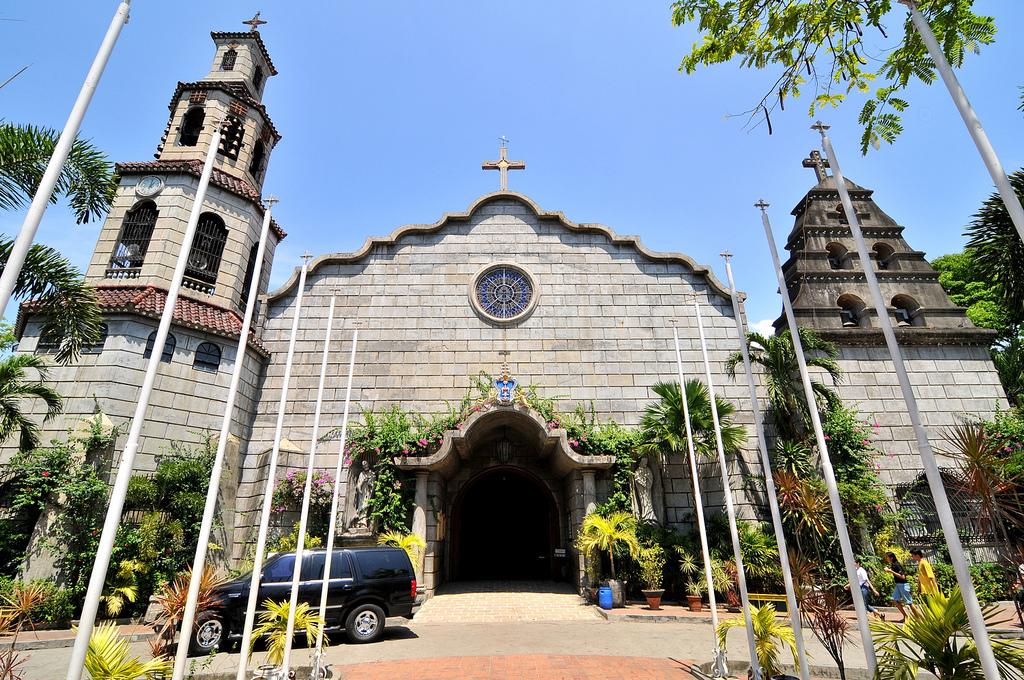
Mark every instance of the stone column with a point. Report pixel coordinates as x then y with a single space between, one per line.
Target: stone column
419 517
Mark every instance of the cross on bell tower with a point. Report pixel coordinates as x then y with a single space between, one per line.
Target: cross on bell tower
503 165
819 163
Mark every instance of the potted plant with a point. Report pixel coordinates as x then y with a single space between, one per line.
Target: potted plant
652 566
600 534
695 594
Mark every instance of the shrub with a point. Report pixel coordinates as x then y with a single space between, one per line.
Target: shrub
56 607
142 493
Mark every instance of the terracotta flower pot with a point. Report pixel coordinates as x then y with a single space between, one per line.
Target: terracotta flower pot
695 602
653 598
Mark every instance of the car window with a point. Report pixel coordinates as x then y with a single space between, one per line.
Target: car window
280 570
313 566
382 563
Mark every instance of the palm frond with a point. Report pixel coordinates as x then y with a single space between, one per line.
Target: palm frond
87 179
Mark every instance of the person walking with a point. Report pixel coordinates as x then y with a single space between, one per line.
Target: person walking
866 586
901 587
925 575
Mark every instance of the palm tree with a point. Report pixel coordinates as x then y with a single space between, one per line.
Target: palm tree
274 626
997 248
412 544
663 429
14 389
769 631
605 534
776 356
936 637
1009 361
58 294
107 658
87 179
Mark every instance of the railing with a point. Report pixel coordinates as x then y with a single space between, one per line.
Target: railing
201 286
123 273
921 523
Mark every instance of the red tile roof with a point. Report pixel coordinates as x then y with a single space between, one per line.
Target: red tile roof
149 301
194 167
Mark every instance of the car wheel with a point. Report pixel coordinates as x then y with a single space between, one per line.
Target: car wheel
207 635
365 623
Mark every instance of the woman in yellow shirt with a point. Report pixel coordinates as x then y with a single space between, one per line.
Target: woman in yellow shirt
925 574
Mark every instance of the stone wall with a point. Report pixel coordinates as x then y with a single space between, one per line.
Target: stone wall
600 333
949 382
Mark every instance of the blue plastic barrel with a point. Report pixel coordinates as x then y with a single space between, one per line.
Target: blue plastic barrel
604 597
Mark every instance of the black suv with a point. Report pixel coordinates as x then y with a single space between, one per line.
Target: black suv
366 585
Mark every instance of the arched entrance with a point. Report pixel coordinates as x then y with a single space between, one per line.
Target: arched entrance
505 526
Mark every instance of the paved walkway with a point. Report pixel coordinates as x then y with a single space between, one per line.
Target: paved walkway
526 666
504 602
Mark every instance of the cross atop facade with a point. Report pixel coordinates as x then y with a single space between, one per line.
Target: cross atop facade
819 163
503 165
254 23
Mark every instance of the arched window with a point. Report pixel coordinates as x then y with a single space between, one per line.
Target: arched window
231 139
257 78
97 347
133 241
250 267
908 311
228 62
169 346
191 126
851 311
883 255
259 153
207 357
207 249
838 255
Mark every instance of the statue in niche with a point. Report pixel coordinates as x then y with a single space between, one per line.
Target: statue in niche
643 484
363 493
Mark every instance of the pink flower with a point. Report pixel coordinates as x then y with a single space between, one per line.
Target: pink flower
423 442
827 438
45 473
865 442
348 461
405 452
877 426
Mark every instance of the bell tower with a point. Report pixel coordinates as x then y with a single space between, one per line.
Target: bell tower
825 278
138 248
140 241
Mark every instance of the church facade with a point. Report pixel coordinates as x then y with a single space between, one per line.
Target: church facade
582 313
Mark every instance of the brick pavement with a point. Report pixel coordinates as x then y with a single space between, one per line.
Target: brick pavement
538 666
504 602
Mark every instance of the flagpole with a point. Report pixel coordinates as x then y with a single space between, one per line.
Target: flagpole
931 467
826 462
730 510
971 120
766 465
698 504
304 515
41 199
268 490
202 543
126 465
334 503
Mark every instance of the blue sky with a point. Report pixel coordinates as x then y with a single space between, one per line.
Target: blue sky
387 110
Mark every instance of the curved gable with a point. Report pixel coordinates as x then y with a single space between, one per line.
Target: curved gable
395 238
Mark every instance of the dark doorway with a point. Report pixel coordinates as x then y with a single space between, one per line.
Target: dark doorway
505 527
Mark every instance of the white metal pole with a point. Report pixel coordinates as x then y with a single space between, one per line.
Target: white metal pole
268 490
931 467
127 463
698 504
306 491
199 561
826 461
971 120
730 510
29 227
766 465
334 501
